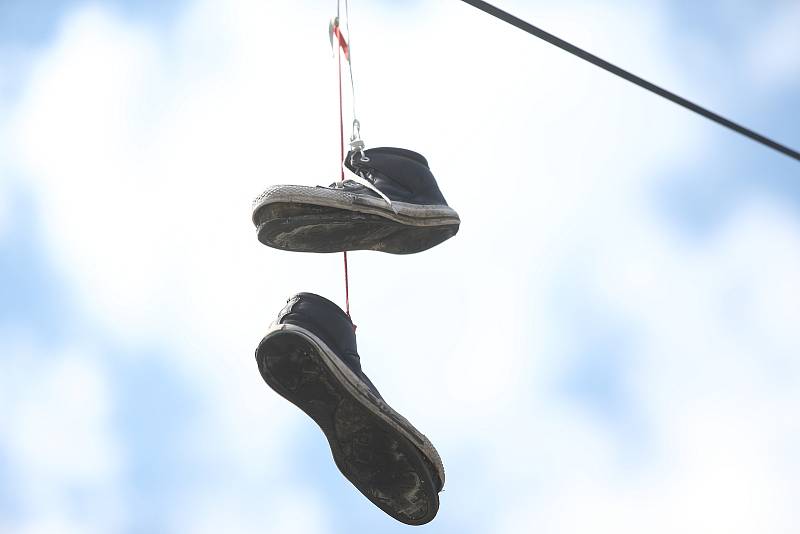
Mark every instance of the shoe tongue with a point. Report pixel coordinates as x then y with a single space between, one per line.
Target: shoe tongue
355 187
398 153
395 173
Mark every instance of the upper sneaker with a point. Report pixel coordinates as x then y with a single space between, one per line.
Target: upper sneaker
389 201
309 357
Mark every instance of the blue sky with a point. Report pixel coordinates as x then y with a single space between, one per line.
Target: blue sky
609 342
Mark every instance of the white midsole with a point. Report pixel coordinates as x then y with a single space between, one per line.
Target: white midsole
402 212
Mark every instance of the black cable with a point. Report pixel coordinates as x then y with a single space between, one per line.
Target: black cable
603 64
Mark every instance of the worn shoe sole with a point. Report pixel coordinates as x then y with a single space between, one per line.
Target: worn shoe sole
374 447
320 219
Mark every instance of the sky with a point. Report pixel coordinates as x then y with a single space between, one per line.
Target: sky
609 344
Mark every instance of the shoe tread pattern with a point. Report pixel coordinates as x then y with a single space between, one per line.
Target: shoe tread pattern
380 462
310 228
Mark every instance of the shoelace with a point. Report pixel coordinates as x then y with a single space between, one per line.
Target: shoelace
350 176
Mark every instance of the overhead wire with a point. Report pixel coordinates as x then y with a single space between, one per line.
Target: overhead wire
626 75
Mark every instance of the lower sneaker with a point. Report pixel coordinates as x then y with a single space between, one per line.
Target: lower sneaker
389 202
309 357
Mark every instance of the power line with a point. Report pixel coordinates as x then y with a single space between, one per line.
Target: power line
624 74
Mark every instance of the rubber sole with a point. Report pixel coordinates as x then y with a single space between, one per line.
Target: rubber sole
369 450
304 219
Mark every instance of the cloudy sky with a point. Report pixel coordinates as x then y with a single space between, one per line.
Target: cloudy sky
609 345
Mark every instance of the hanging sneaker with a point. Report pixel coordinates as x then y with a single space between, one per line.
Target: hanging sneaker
389 201
309 357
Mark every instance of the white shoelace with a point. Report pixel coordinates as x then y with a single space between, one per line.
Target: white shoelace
350 176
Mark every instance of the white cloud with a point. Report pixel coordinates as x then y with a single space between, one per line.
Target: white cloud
58 436
5 181
5 214
145 153
714 372
775 47
289 511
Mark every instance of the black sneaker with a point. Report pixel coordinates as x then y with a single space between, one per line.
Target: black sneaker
389 202
309 357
